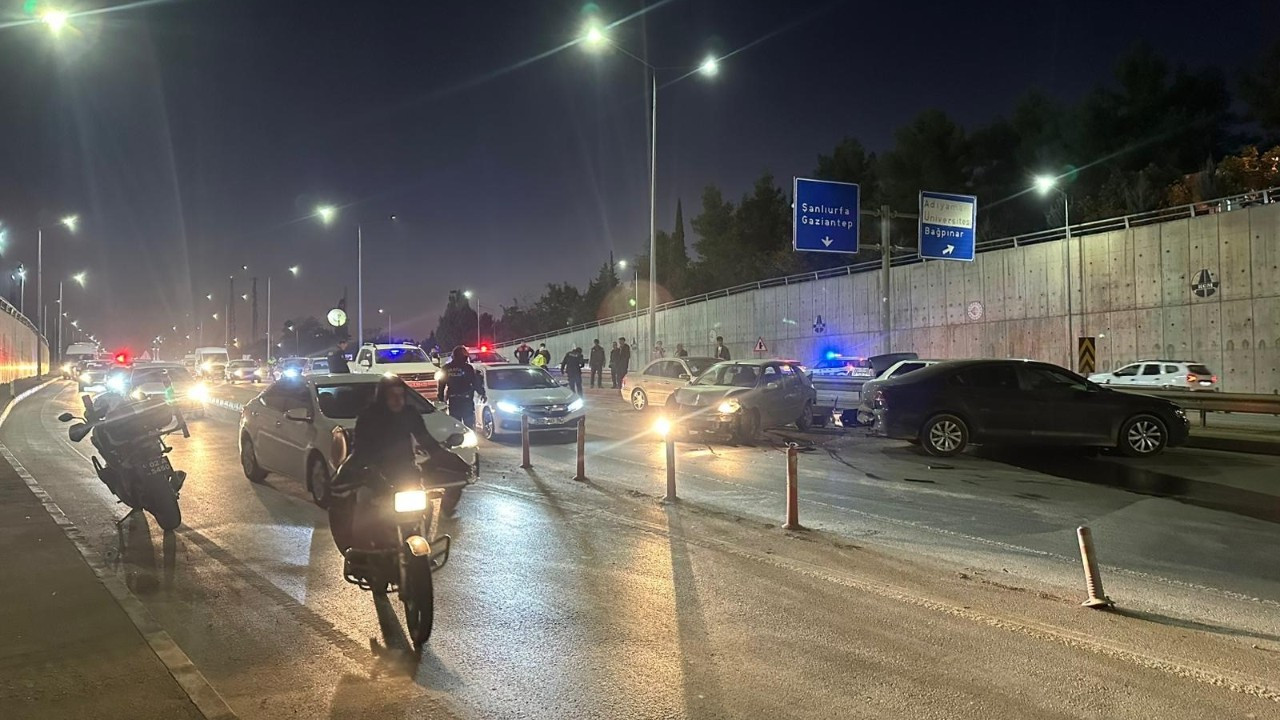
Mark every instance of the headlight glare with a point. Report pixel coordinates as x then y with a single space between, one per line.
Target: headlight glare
577 405
728 407
115 384
84 377
199 392
508 407
411 501
469 439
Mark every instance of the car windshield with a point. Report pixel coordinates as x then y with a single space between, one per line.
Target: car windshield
697 366
487 357
242 363
157 375
97 365
387 356
529 378
344 402
1199 370
320 366
732 374
214 357
293 363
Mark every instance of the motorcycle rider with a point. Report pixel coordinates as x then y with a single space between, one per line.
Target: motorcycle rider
524 353
459 387
338 359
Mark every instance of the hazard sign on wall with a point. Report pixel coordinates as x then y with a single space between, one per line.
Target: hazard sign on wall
760 346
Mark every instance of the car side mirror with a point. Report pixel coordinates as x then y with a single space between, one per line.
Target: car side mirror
772 386
562 383
297 415
77 432
66 417
684 376
367 362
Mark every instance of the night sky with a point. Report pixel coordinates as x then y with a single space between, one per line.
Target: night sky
194 136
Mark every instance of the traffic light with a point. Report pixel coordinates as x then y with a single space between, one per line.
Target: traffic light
122 357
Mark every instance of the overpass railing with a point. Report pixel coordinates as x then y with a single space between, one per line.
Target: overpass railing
1093 227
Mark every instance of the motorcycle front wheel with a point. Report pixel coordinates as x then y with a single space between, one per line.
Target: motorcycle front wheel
162 502
418 596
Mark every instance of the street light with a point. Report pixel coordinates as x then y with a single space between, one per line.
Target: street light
68 221
384 311
1044 185
635 299
62 312
468 295
328 214
56 20
594 38
21 276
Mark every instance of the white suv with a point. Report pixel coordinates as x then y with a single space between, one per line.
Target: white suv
1164 374
408 362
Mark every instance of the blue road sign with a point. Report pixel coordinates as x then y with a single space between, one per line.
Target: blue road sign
948 226
824 216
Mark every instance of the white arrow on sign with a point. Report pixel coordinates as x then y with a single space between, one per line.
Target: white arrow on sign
826 241
949 249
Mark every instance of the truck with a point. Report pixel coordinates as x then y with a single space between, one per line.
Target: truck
77 353
211 362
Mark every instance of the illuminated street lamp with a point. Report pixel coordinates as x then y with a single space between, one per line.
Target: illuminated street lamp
55 20
387 313
595 38
469 295
69 222
634 300
62 313
328 214
1044 185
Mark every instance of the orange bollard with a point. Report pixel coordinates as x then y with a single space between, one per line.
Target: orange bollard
582 450
793 489
524 442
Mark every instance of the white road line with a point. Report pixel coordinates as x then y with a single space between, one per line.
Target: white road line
189 678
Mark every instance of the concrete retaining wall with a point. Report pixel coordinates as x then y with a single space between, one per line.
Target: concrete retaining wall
1134 293
20 346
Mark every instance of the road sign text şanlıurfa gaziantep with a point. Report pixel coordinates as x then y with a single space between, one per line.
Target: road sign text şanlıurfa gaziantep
824 216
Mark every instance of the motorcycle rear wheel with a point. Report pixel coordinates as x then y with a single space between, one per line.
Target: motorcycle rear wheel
418 596
162 503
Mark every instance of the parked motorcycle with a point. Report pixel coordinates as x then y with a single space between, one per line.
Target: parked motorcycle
381 525
129 434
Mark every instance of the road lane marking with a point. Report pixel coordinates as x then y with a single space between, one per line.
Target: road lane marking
202 695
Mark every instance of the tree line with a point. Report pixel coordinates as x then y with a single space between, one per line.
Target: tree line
1157 135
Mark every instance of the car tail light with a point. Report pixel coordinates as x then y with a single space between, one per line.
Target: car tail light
1213 378
1192 378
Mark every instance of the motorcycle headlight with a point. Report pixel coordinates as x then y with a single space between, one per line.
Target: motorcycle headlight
469 439
508 407
115 384
728 407
577 405
411 501
199 392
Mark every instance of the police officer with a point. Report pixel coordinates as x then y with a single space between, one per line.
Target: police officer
460 386
338 359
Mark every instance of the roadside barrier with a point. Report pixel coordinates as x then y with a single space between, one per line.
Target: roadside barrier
793 488
663 428
582 450
1092 576
524 442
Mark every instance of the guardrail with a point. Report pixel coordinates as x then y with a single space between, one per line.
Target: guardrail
1207 402
1093 227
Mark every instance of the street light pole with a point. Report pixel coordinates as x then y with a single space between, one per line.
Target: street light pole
359 285
653 210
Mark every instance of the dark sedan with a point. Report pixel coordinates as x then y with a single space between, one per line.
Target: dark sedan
946 406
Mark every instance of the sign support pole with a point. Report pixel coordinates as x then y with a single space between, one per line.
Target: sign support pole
886 276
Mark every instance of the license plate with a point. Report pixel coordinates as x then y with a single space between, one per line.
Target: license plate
545 421
158 466
1206 383
418 384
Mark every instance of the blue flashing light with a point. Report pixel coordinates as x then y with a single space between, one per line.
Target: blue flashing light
832 354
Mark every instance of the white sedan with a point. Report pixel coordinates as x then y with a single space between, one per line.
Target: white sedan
299 427
525 390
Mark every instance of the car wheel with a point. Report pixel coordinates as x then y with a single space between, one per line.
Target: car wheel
249 461
488 425
944 436
748 428
1143 436
805 421
639 400
318 481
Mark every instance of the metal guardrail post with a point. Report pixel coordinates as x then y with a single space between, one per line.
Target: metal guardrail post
1092 575
582 450
524 442
793 489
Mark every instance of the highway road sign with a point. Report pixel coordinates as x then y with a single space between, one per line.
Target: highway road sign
948 226
824 216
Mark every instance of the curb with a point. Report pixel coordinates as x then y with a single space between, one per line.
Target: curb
1231 444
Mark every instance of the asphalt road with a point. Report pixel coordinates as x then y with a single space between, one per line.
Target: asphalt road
923 590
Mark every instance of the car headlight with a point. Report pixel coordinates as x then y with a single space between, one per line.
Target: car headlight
137 395
469 439
439 376
84 378
290 373
411 501
199 392
728 407
577 405
258 372
206 367
115 384
66 367
508 407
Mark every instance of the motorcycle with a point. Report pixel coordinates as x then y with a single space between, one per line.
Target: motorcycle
129 434
381 525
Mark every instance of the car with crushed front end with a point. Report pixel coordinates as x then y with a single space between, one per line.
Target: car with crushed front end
739 398
303 427
514 391
949 405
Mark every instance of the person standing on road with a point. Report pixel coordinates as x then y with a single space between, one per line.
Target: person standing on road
722 352
338 359
596 361
659 352
544 353
524 353
571 368
680 351
460 386
624 359
615 360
